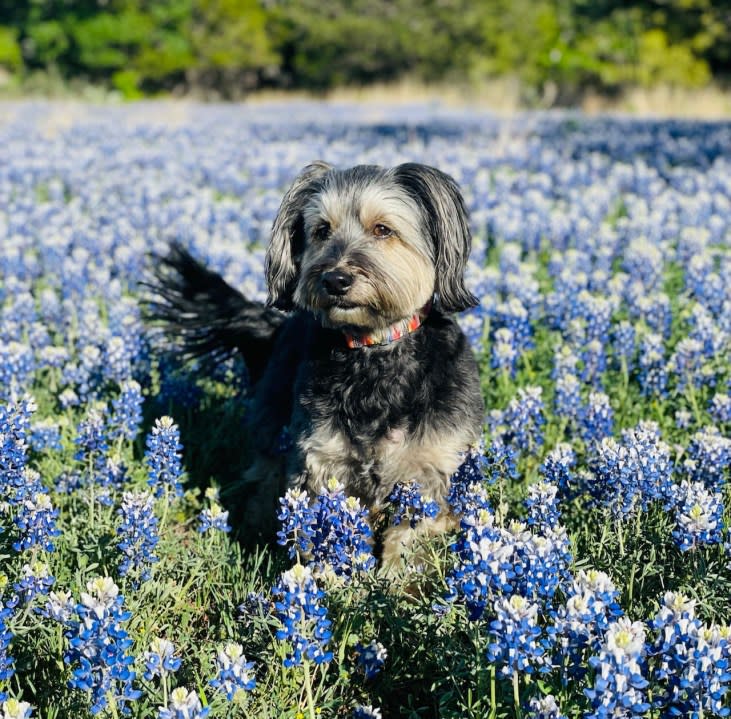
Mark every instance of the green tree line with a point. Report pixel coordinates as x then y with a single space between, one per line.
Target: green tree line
143 47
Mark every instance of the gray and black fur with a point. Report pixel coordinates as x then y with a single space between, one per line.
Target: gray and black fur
352 251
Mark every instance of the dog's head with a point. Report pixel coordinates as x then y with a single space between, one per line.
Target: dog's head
368 246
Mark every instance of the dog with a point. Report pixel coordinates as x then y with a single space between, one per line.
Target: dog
356 352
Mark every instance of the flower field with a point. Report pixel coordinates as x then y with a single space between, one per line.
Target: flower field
591 574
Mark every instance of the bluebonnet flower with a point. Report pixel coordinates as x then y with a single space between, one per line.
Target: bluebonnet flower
214 517
363 711
565 362
513 316
7 609
688 364
651 458
614 478
160 659
594 359
504 351
517 641
35 517
14 430
643 260
483 563
17 365
409 505
691 661
524 420
597 314
499 462
544 708
59 607
163 458
235 675
91 440
117 365
597 418
45 434
591 605
720 408
709 456
567 401
126 414
631 475
15 709
619 673
655 310
138 534
371 658
542 505
472 323
698 516
98 645
705 331
36 579
303 617
183 704
557 469
653 374
331 534
296 521
683 418
623 344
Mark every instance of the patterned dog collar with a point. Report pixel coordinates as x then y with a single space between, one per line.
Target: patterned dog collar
390 334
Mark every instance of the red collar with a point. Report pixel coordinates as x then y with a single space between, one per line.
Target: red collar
389 334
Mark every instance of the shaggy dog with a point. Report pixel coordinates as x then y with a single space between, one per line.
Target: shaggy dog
356 352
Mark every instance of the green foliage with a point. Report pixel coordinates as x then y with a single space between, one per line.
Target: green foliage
555 48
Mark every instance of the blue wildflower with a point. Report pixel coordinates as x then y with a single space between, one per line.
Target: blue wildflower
363 711
597 418
213 517
653 374
92 441
302 616
517 641
544 708
98 646
504 352
15 709
36 580
163 457
235 675
524 419
709 456
44 435
35 517
567 400
690 661
183 704
557 469
698 516
720 408
623 344
371 658
542 505
126 415
138 534
160 659
409 505
619 673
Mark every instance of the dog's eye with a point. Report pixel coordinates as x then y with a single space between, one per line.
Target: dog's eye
382 231
321 231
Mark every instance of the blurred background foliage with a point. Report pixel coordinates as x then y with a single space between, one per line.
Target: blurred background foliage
555 49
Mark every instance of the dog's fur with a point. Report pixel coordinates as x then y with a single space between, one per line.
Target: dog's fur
396 242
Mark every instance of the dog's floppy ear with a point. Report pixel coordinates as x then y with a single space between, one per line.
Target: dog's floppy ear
288 238
444 212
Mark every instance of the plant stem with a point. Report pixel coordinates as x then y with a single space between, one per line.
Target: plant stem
308 690
516 694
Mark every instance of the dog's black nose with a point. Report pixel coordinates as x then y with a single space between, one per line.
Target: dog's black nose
336 283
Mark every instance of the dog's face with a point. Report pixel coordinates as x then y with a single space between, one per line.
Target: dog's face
366 247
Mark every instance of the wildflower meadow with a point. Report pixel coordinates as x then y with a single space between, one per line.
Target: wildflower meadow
590 572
